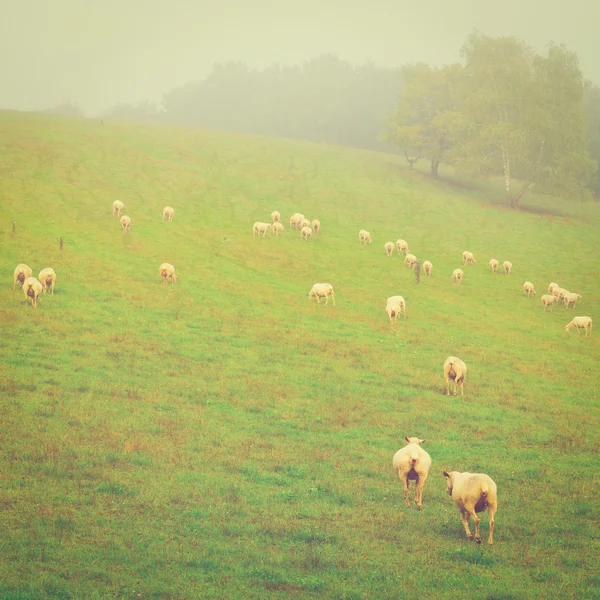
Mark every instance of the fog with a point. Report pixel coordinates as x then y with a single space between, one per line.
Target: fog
97 54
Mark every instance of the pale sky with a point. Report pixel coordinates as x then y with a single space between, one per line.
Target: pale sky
98 53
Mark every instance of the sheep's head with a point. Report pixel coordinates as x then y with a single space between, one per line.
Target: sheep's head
449 482
414 440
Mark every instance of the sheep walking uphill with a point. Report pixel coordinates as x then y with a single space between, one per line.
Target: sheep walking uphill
316 225
275 216
427 267
125 223
395 305
455 369
529 289
117 207
32 288
412 464
402 246
389 248
468 258
277 228
494 265
168 212
21 273
364 237
167 270
507 266
457 275
306 233
47 278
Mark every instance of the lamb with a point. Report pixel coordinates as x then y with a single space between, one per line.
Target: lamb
473 493
21 273
168 212
507 267
395 305
468 258
571 298
306 233
364 237
275 216
47 278
581 323
402 246
316 225
412 464
117 208
548 300
552 287
389 248
410 260
494 264
259 228
167 270
32 288
277 228
457 275
126 222
322 290
529 289
427 267
455 369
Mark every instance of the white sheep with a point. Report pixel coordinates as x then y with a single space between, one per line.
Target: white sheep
21 273
389 248
395 305
304 223
167 270
117 207
259 228
548 300
125 222
277 228
507 265
571 298
473 493
580 323
412 464
427 267
468 258
494 264
316 225
552 287
410 260
402 246
322 290
529 289
32 288
47 278
457 275
364 237
275 216
295 221
306 233
455 369
560 293
168 212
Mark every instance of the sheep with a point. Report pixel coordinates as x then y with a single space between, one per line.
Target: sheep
427 267
322 290
364 237
507 265
473 493
412 464
529 289
395 305
259 228
389 248
316 225
548 300
410 260
494 264
305 223
552 287
457 275
455 369
21 273
275 216
117 207
295 221
47 278
167 270
468 258
571 298
125 222
402 246
581 323
168 212
32 288
560 293
277 228
306 233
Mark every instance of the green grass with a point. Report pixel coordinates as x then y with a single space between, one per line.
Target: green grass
224 437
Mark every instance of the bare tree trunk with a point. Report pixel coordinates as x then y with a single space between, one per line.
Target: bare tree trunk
507 182
526 186
434 167
411 161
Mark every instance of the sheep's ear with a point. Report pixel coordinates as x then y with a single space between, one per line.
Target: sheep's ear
446 474
407 439
421 441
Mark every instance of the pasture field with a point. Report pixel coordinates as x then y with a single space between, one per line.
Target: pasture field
226 438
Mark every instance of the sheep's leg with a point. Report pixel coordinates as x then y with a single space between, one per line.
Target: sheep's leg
492 511
326 299
333 299
405 481
471 511
422 480
462 387
417 482
464 517
447 386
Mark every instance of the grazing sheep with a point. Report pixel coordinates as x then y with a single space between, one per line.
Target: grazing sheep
468 258
395 305
322 290
581 323
507 265
529 289
32 288
316 225
560 293
548 300
571 298
402 246
277 228
259 228
125 222
167 270
412 464
275 216
494 264
21 273
410 260
168 212
427 267
117 208
304 223
552 287
473 493
364 237
457 275
455 369
47 278
306 233
389 248
295 221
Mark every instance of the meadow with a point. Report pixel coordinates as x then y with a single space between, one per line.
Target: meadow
226 438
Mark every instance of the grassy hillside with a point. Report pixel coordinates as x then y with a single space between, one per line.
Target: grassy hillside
224 437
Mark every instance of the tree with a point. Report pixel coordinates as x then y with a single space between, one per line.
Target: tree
592 102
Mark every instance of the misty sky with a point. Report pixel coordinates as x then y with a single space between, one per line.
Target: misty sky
98 53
